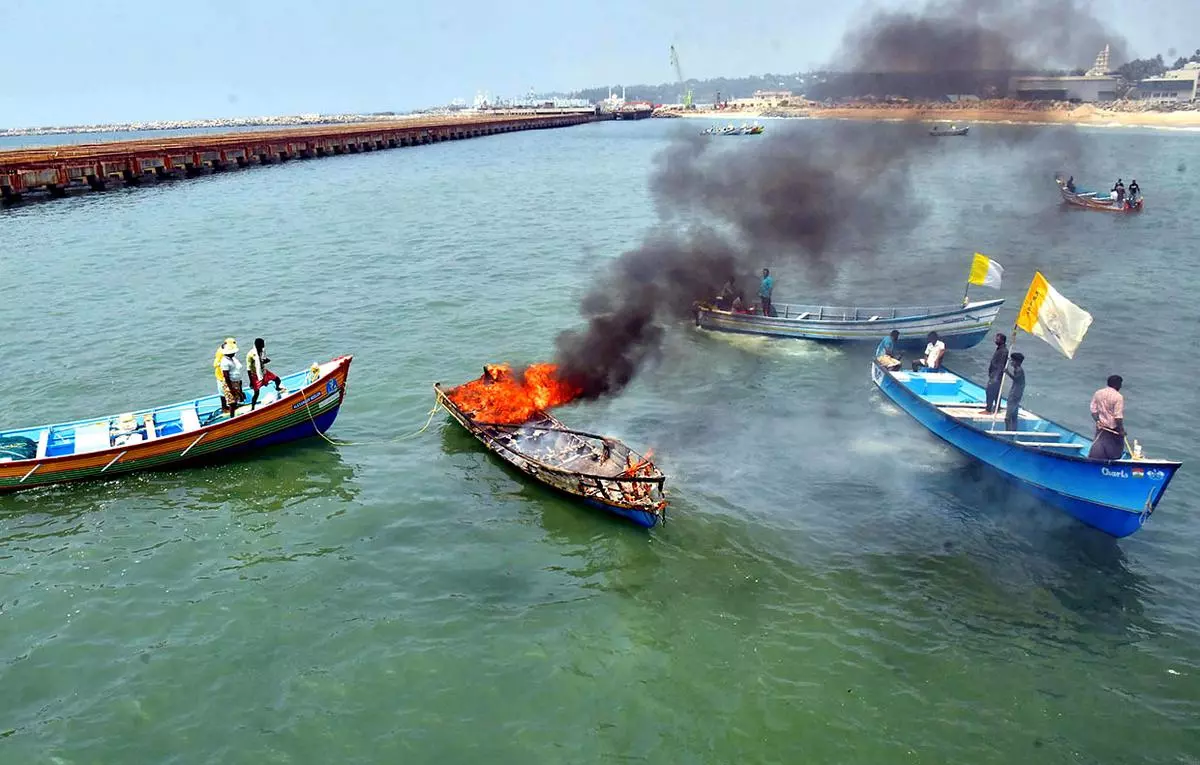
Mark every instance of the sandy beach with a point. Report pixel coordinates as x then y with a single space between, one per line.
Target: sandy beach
977 112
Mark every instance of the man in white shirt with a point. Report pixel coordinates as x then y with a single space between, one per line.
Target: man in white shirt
932 360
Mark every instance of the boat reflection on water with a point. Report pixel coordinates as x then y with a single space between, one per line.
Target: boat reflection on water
1017 545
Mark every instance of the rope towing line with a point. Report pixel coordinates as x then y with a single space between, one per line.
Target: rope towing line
345 388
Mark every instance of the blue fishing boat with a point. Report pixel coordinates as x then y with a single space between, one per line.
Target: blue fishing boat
1041 456
959 326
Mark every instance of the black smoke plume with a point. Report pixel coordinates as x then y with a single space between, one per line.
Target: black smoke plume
801 199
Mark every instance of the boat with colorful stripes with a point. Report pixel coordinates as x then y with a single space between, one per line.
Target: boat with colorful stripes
168 436
959 326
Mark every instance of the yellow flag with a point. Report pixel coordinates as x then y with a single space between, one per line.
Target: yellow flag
985 272
1050 316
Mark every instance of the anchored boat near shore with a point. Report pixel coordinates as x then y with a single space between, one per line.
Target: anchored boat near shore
953 130
167 436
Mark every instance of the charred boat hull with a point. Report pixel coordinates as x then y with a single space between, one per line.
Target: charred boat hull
600 472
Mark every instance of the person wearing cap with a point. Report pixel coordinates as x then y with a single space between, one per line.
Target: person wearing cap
256 367
229 376
1016 373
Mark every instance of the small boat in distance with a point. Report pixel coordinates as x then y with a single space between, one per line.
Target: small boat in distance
959 326
952 130
745 129
1041 456
171 435
1097 200
600 471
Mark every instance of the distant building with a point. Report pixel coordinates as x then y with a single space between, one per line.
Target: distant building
1096 85
1174 87
766 99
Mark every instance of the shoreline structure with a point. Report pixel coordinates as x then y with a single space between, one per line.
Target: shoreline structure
1120 114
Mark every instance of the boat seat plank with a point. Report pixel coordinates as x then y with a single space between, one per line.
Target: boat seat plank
804 315
1049 444
189 419
1044 433
151 433
43 443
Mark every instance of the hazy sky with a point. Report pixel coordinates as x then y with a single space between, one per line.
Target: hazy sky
91 61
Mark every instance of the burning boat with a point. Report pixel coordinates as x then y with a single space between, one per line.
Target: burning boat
507 412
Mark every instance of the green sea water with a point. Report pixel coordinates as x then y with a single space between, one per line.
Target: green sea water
833 584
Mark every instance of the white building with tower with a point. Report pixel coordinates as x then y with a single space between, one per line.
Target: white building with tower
1097 84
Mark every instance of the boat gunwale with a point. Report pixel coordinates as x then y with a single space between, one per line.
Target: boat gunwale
337 363
476 429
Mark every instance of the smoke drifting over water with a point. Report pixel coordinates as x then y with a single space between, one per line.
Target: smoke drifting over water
799 201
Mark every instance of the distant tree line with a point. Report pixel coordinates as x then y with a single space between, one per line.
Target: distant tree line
1141 68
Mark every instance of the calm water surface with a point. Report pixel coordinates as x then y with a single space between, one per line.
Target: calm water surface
834 585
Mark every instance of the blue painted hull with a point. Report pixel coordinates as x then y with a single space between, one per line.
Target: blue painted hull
1115 496
640 517
322 423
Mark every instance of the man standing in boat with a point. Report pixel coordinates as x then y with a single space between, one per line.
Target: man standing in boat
1108 411
260 376
996 373
229 376
1016 373
764 292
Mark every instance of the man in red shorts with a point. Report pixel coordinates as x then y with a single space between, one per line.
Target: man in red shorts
260 376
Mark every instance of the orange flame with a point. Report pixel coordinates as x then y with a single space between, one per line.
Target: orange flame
502 396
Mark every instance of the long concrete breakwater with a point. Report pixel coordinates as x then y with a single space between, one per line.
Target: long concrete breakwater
57 171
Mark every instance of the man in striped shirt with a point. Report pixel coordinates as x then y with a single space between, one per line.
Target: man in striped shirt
1108 411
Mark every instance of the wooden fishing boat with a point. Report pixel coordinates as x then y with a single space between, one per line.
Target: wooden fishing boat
171 435
959 326
1043 457
950 131
598 470
1097 200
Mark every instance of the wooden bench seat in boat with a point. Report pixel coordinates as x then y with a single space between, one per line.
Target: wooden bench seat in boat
43 443
1050 445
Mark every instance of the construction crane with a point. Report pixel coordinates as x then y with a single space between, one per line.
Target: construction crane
687 92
